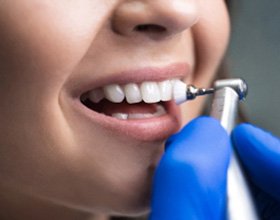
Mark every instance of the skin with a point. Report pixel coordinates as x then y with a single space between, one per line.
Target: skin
54 164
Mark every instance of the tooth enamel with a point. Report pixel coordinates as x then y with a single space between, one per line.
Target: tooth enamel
132 93
114 93
150 92
140 115
96 95
121 116
172 81
179 91
124 116
160 111
165 89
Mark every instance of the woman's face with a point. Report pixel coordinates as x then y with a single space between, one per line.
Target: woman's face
53 54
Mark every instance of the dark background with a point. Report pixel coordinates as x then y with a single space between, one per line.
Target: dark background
254 55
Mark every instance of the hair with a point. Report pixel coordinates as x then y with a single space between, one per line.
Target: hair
228 3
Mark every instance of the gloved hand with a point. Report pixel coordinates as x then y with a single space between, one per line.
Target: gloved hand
190 181
259 152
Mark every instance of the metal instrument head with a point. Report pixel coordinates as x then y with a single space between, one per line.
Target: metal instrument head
239 85
193 92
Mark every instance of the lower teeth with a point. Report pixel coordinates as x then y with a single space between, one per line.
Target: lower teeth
126 116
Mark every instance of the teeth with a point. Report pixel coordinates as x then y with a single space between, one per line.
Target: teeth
125 116
132 93
160 111
149 92
140 115
121 116
96 95
165 89
179 91
114 93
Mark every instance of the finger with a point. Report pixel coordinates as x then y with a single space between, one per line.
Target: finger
260 154
190 182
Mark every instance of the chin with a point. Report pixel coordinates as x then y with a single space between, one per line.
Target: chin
131 211
133 199
126 207
133 204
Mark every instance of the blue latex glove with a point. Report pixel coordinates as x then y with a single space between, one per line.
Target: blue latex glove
259 152
190 181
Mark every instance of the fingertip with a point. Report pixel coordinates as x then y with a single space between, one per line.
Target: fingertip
204 123
203 144
259 152
198 124
207 120
244 138
241 132
202 131
247 135
245 129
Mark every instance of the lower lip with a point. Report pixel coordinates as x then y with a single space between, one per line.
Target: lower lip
149 129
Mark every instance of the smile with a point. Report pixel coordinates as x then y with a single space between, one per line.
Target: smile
131 101
134 104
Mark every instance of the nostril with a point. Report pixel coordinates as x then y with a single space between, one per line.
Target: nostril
153 18
150 28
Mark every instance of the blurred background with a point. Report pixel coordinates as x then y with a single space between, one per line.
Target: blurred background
254 55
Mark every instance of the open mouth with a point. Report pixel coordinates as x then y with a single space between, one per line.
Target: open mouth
138 104
131 101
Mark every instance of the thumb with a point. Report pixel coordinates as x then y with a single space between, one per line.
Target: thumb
260 154
190 181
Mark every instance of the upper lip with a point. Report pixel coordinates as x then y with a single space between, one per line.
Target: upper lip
152 73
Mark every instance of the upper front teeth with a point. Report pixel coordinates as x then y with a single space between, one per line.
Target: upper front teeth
165 88
132 93
149 92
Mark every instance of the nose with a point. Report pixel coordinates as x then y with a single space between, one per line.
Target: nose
154 17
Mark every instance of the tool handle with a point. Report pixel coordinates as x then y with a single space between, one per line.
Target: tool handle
240 202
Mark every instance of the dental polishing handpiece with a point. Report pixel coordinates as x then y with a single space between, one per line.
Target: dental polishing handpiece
227 94
193 92
183 92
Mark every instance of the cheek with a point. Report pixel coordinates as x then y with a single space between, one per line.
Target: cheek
36 57
42 45
211 36
37 54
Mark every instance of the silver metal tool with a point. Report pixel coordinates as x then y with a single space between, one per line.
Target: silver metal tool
227 94
192 92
